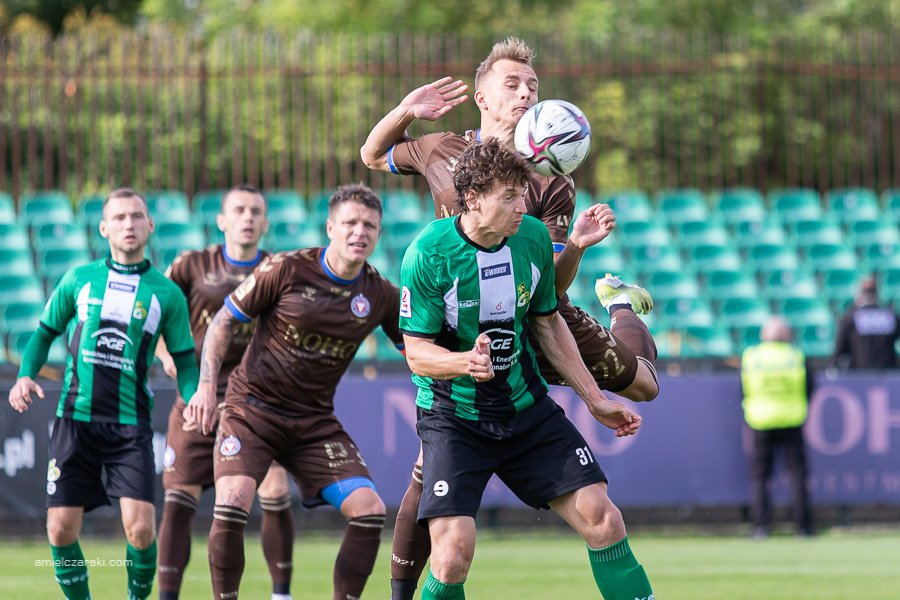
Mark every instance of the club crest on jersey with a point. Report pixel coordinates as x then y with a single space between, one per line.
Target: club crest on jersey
405 303
139 311
493 271
360 306
523 295
230 446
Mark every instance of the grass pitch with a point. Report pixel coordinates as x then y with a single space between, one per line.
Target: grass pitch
533 566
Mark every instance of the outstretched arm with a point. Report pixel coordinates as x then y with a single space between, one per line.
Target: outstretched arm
559 346
429 102
201 408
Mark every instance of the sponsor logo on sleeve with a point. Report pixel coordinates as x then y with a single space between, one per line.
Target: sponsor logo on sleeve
405 303
242 290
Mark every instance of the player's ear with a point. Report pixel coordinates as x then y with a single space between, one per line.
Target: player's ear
328 228
220 222
480 100
472 198
104 233
152 224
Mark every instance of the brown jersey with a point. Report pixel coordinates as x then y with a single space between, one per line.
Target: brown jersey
206 277
310 324
550 199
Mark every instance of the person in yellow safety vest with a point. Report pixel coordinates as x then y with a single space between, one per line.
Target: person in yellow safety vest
777 386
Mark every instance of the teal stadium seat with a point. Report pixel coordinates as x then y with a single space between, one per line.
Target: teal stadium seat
89 212
601 259
18 342
744 336
795 204
398 235
890 201
743 312
318 205
685 312
724 285
691 234
753 233
48 206
635 234
205 205
880 257
713 257
178 236
818 231
739 205
877 231
51 264
13 236
682 205
819 256
63 236
7 208
838 286
168 206
666 286
651 259
16 262
805 312
285 206
816 341
402 206
782 284
583 201
768 257
710 341
18 288
283 236
20 317
628 205
849 205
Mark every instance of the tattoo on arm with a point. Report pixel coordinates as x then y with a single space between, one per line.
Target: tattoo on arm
215 345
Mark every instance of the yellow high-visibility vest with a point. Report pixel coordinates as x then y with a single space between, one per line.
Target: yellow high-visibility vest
773 375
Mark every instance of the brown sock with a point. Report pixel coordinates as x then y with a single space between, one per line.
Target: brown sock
226 550
356 558
633 332
174 540
277 537
411 545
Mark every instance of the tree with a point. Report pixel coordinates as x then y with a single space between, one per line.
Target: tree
53 13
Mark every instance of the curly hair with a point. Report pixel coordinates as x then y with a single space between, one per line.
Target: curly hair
354 192
512 48
484 166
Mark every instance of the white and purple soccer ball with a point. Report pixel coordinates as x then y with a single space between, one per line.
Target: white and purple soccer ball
555 136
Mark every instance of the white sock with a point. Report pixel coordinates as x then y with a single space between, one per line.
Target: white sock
281 597
620 299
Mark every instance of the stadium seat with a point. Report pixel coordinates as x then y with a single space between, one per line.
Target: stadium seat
710 341
89 211
397 236
178 236
781 284
318 205
385 265
741 312
744 336
385 350
168 206
816 341
285 206
681 205
804 312
284 236
880 257
205 205
51 264
713 257
17 288
50 206
724 285
52 236
739 205
651 259
402 205
706 232
796 204
583 201
890 200
768 257
685 312
753 233
833 256
7 208
602 258
18 342
868 232
838 286
20 317
16 261
849 205
635 234
628 205
13 236
665 286
818 231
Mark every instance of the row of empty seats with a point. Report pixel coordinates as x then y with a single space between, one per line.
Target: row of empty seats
716 265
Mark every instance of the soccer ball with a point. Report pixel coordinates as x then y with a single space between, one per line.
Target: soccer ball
555 136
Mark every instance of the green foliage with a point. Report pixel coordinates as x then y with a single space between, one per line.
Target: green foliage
54 13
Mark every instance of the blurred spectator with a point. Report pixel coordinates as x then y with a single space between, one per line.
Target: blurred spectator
868 332
777 387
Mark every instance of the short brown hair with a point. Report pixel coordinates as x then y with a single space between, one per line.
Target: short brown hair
243 187
354 192
485 165
125 193
512 48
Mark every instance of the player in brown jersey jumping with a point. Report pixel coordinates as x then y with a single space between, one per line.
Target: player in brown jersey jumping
623 360
206 277
314 307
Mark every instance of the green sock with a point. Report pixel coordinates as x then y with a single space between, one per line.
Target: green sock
618 574
435 589
71 571
141 568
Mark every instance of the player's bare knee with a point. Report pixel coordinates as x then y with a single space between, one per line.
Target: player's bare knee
140 533
61 532
362 502
644 388
451 559
604 524
275 485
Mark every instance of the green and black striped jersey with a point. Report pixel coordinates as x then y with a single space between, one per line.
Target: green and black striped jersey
452 290
112 316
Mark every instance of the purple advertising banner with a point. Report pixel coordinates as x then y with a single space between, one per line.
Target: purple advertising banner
691 449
